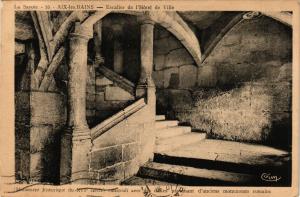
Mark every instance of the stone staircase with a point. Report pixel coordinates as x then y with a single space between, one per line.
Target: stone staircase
170 135
185 157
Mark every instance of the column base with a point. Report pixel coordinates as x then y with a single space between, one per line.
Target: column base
81 150
75 156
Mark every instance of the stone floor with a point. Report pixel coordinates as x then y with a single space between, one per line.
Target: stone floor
236 152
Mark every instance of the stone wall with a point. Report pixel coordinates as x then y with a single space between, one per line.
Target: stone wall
241 92
118 153
174 68
109 99
40 116
175 73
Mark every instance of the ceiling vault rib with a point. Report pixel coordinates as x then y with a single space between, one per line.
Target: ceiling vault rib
236 20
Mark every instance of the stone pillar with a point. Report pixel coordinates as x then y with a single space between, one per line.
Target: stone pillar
98 42
146 84
118 48
76 142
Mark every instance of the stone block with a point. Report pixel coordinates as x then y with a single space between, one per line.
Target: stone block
244 72
178 57
103 81
117 94
180 99
80 152
99 98
52 103
112 175
130 151
174 43
94 178
161 46
106 157
207 76
36 168
130 168
164 45
40 137
139 117
159 62
158 77
225 74
147 144
187 76
119 134
160 32
167 77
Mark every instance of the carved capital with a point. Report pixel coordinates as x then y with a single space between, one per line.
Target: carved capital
146 18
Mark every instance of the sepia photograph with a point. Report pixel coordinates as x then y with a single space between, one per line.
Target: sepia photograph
192 98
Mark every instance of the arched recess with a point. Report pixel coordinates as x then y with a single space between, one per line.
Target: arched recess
172 23
283 17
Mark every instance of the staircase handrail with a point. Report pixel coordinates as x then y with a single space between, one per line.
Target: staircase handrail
122 82
115 119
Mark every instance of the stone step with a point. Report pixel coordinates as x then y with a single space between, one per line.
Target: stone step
194 176
229 156
135 180
165 124
172 131
160 117
177 141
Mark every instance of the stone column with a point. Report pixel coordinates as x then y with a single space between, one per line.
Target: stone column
146 84
98 43
118 48
76 142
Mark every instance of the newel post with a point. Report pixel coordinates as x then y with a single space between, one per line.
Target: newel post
146 86
76 140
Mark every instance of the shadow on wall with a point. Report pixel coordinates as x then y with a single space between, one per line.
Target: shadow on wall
256 111
40 118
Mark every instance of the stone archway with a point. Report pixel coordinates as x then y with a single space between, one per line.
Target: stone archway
173 23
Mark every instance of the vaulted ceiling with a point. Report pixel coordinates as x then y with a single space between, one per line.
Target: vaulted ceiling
203 19
205 25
